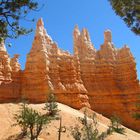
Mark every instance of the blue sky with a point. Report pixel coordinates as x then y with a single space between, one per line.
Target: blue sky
60 17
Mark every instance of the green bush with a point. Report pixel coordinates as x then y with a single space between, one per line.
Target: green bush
51 105
89 129
31 121
115 125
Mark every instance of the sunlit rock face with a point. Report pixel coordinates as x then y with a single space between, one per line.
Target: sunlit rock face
49 68
10 76
103 79
109 75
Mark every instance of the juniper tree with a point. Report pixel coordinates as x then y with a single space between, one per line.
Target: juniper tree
136 114
51 105
89 129
116 125
31 121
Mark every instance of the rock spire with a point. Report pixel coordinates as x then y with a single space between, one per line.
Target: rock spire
104 79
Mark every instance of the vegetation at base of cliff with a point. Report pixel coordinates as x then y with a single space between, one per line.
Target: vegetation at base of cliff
11 13
32 122
115 125
89 130
51 105
136 115
129 11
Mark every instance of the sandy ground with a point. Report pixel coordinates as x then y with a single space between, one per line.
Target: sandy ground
50 132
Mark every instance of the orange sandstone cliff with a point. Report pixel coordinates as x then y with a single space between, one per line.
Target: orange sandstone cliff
49 68
10 76
109 75
105 79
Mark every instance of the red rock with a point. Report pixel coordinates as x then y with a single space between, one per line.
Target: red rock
49 68
10 83
109 75
105 79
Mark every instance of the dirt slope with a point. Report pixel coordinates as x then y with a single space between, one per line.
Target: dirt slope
69 116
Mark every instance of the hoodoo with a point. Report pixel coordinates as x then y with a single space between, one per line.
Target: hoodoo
49 68
109 75
10 76
104 79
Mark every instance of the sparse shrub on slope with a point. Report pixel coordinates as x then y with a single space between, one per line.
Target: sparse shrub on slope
89 129
51 105
31 121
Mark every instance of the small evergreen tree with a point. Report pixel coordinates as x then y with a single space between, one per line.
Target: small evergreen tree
51 105
22 113
76 133
31 121
89 130
136 115
116 125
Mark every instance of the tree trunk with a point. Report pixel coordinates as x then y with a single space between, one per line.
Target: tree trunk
31 132
60 129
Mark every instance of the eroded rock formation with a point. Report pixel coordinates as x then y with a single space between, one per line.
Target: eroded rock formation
10 76
109 75
104 79
49 68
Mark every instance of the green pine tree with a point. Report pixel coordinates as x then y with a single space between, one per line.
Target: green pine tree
31 121
89 130
51 105
11 13
129 11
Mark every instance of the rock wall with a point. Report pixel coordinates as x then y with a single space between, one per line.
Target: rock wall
10 76
109 75
104 79
49 68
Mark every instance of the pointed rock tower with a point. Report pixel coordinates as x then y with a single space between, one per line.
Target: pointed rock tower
109 75
5 68
48 68
105 80
10 83
36 81
83 46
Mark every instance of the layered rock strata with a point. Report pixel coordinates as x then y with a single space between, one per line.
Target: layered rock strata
109 75
10 76
104 79
49 68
